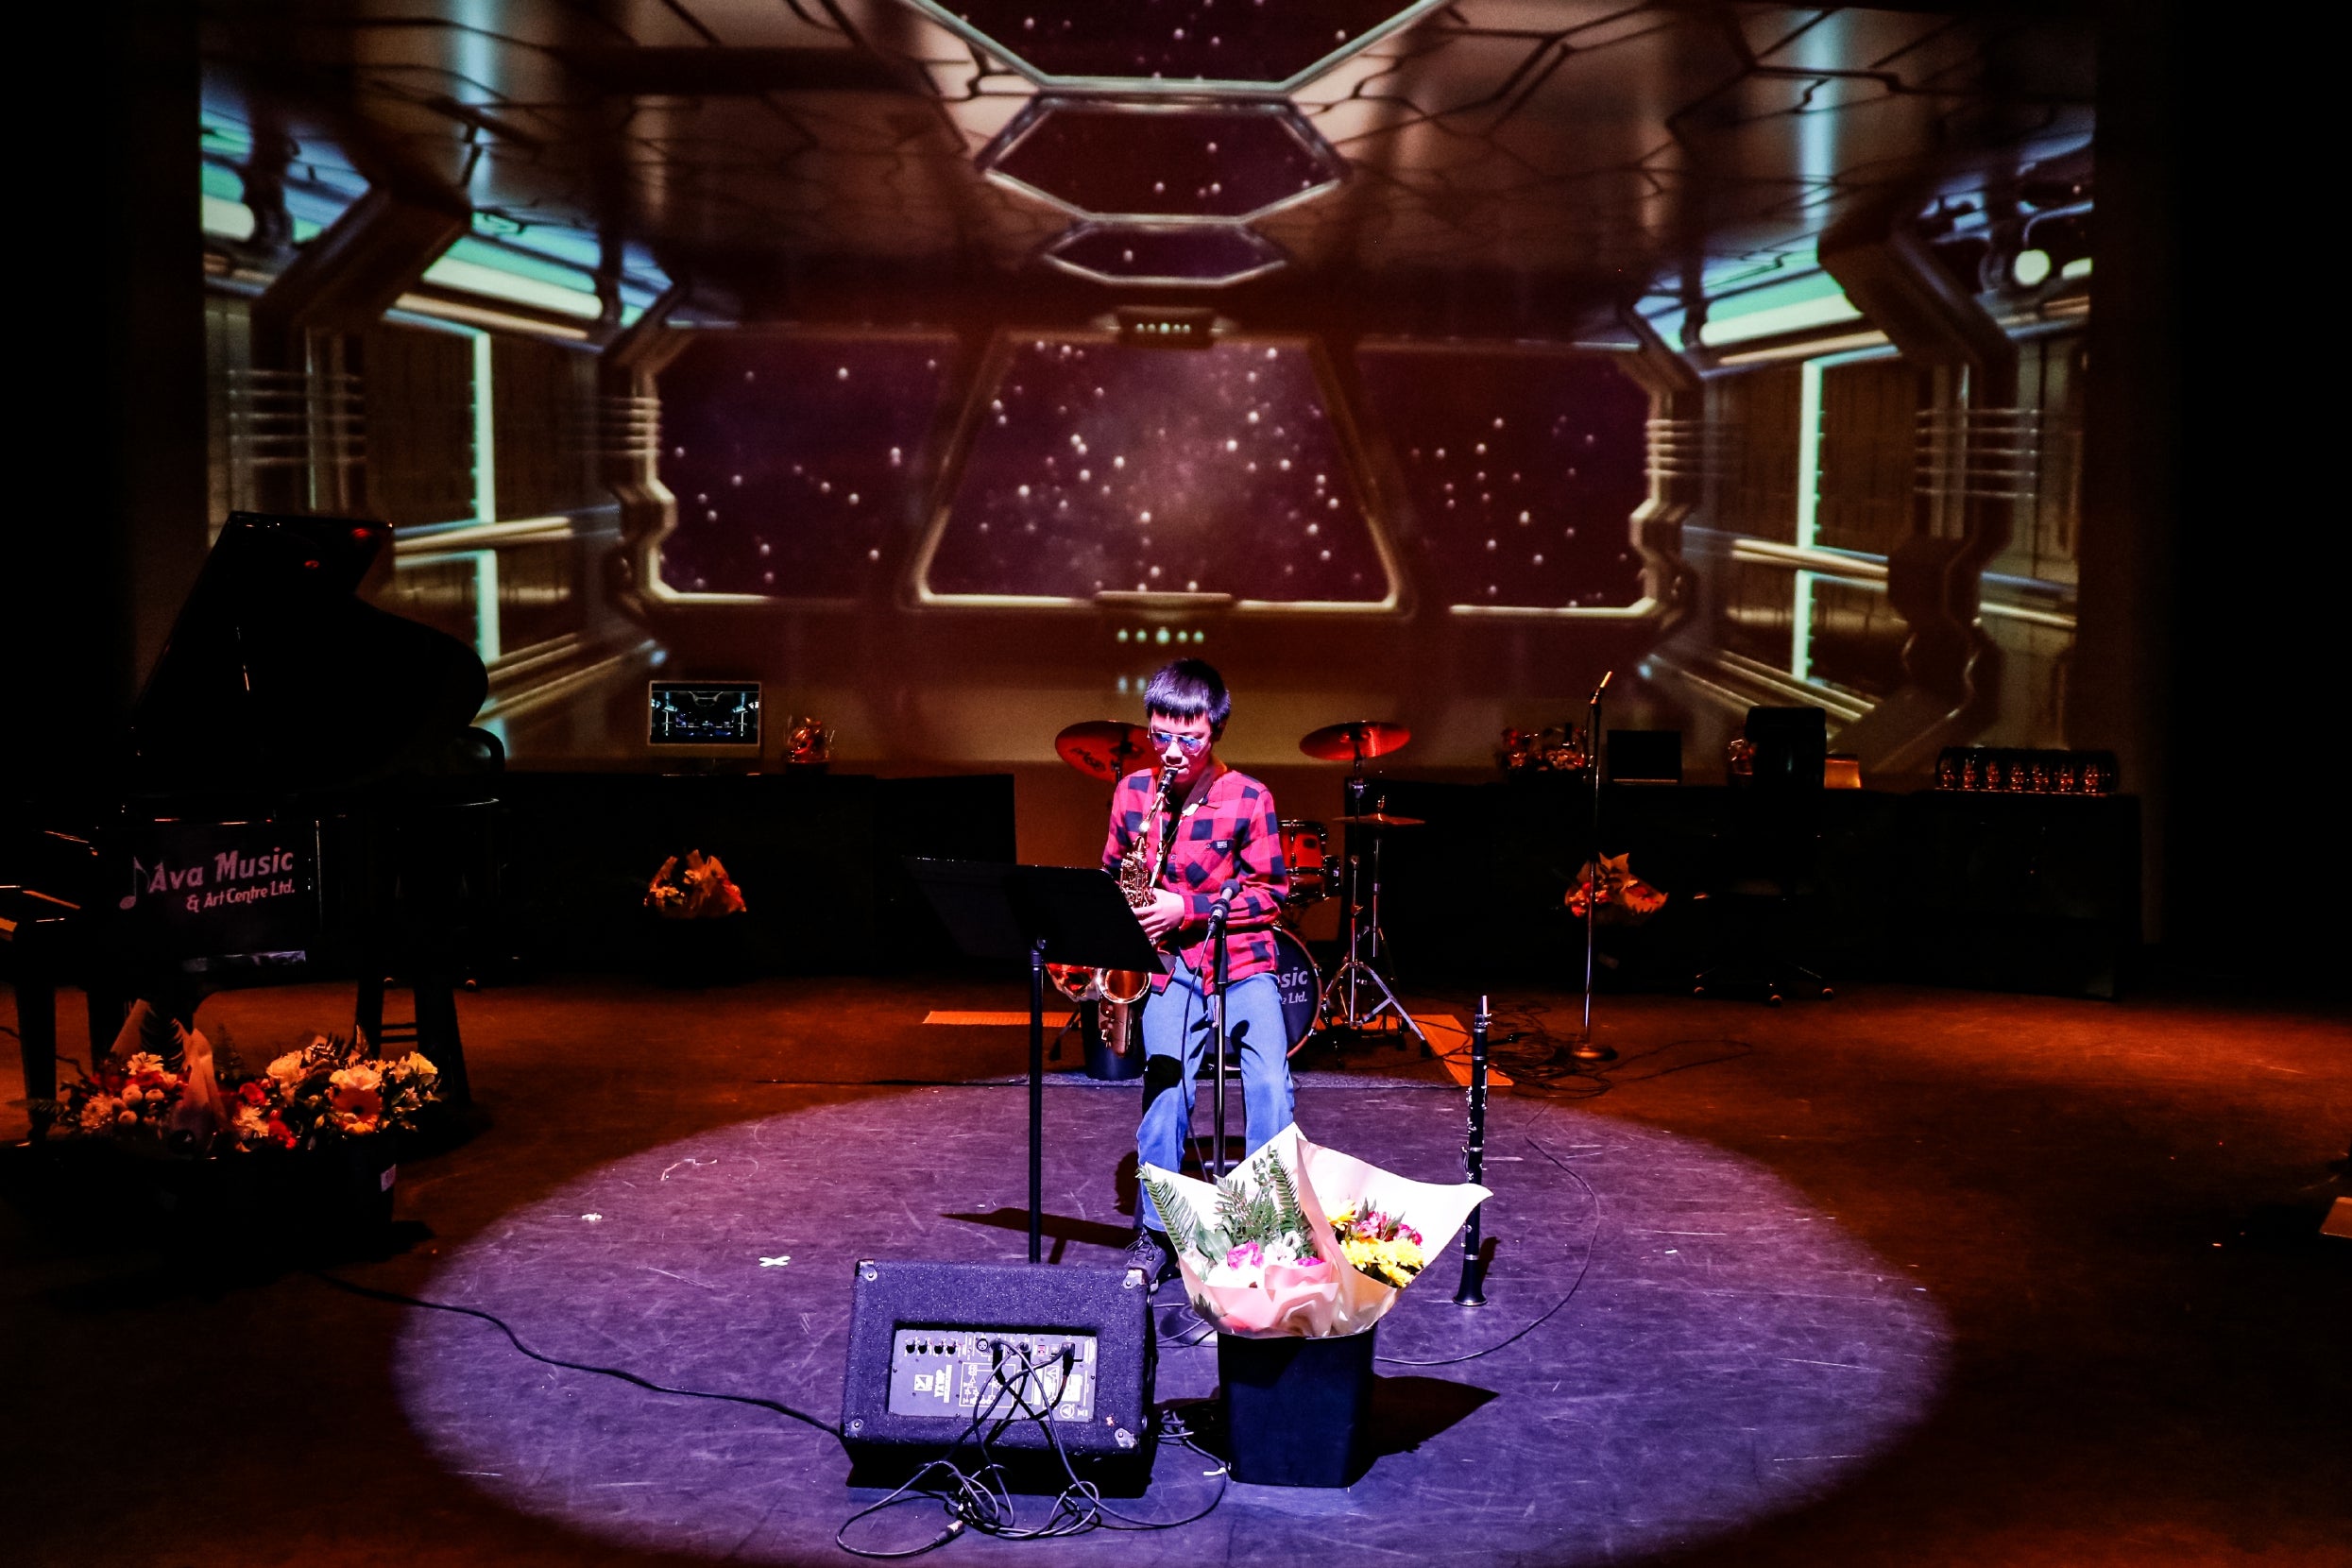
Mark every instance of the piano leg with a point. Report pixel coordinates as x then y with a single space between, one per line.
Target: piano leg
367 1016
36 1040
437 1036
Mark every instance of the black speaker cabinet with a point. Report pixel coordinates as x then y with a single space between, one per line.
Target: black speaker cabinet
935 1348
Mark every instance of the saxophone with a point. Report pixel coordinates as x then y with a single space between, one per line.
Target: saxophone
1139 872
1146 860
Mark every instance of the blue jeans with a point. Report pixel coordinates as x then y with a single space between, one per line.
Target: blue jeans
1176 1033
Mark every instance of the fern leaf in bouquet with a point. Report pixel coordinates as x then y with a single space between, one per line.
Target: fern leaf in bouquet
1258 1205
1184 1228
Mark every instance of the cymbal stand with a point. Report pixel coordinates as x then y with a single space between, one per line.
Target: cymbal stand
1342 1003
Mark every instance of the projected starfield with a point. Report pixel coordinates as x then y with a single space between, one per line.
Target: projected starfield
1099 468
791 457
1522 468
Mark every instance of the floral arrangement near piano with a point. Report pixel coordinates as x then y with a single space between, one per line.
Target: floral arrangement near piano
163 1084
1303 1240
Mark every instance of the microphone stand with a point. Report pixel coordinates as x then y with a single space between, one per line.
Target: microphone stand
1584 1050
1472 1291
1219 913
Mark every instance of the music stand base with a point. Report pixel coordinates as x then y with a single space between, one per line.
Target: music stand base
1585 1049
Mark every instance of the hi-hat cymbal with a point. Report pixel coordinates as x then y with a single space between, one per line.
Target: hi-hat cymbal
1357 741
1381 819
1103 749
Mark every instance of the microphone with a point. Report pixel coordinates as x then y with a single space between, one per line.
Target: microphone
1605 678
1221 908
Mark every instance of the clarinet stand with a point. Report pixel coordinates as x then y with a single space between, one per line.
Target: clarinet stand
1584 1050
1472 1291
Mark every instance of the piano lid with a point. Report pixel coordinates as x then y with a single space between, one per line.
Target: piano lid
277 675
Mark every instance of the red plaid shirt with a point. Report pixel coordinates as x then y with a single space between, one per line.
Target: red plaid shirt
1234 836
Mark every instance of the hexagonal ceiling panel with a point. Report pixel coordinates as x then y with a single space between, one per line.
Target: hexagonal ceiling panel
1177 256
1146 162
1174 46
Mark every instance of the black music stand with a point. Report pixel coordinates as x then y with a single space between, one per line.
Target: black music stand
1047 915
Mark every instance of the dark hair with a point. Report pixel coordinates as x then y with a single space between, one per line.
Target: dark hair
1190 689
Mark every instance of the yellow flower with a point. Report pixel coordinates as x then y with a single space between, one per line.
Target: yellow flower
286 1070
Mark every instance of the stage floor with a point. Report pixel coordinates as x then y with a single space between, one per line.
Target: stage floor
1908 1277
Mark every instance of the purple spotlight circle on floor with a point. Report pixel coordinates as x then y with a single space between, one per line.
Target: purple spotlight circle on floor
1729 1353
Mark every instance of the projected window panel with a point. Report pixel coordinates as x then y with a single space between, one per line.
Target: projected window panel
1525 470
1758 417
1869 447
1856 638
791 457
1092 466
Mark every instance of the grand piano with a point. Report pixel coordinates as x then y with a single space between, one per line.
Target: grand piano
299 794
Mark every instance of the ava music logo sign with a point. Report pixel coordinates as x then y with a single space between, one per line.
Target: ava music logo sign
221 886
234 878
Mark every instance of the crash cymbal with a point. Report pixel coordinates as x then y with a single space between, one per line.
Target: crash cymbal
1103 749
1357 741
1380 819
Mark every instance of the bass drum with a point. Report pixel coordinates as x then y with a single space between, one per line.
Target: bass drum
1301 985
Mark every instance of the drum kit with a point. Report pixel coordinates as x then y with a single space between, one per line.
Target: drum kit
1358 999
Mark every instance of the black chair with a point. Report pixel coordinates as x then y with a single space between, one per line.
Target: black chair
1771 859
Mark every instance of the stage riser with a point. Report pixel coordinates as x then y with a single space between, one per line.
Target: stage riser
818 857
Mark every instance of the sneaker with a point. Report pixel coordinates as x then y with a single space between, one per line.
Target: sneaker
1150 1253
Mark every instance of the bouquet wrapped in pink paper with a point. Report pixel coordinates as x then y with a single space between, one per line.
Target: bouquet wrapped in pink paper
1303 1240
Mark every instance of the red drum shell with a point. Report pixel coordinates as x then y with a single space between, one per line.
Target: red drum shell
1306 852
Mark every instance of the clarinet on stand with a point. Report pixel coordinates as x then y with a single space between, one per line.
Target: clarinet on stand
1472 1291
1219 911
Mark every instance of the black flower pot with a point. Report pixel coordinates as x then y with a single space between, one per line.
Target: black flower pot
1298 1412
344 1189
266 1203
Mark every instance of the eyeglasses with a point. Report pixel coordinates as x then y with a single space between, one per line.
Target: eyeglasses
1162 739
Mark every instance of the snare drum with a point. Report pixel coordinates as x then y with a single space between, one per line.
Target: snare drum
1303 851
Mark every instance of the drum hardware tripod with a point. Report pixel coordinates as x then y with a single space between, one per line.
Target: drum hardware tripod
1342 1004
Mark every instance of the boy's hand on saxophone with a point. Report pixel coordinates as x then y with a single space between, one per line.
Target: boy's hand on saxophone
1162 915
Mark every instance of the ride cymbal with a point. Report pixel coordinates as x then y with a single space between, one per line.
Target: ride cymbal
1381 819
1357 740
1103 749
